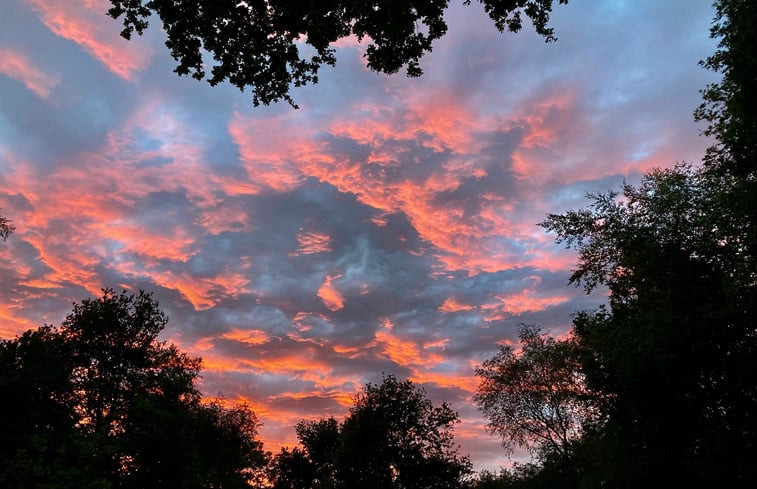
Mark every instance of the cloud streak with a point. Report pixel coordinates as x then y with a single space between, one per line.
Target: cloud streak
82 23
19 67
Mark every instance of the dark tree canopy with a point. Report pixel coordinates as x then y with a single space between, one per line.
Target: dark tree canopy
259 44
100 402
394 437
536 397
671 357
672 353
730 106
313 465
6 228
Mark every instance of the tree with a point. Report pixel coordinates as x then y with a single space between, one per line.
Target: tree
313 465
257 43
114 343
521 476
730 109
292 469
535 397
672 352
393 437
730 106
671 357
675 350
100 402
41 447
6 228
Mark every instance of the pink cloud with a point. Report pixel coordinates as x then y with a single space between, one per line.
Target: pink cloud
202 292
17 66
330 295
400 351
281 153
310 242
14 320
528 299
97 204
452 305
86 24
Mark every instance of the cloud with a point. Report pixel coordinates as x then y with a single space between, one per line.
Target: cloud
85 24
330 295
17 66
309 242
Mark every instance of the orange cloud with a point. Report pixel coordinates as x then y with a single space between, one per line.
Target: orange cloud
224 218
202 293
18 67
451 380
529 300
270 152
402 352
452 305
12 320
85 24
247 336
310 242
330 295
280 154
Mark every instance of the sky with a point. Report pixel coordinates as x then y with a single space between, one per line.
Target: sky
387 226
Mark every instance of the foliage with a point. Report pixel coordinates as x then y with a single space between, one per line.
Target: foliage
730 109
257 43
313 465
522 476
671 353
6 228
535 397
392 438
100 402
395 437
730 106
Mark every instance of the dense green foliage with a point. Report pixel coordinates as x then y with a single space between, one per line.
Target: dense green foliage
99 402
393 437
257 44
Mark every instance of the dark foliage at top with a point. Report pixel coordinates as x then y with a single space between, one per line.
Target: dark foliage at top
257 44
730 107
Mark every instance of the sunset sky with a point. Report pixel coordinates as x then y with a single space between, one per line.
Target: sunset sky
389 225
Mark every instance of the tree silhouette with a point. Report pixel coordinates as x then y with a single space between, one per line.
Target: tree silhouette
730 106
535 397
101 402
313 465
6 228
671 353
257 44
393 437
